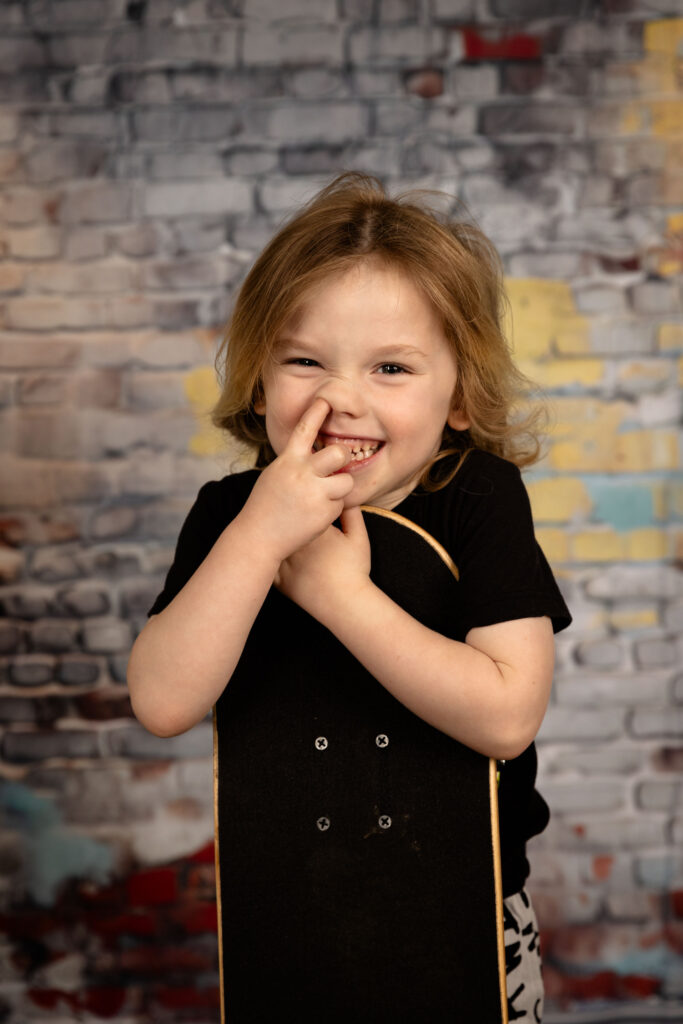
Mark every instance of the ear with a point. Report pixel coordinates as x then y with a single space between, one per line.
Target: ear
260 406
457 420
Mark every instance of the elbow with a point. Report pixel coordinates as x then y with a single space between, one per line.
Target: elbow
513 737
154 721
154 715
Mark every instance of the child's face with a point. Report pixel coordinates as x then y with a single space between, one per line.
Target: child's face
371 344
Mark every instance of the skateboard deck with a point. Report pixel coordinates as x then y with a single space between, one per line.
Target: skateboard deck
357 851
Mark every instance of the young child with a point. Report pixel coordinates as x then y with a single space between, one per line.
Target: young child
365 364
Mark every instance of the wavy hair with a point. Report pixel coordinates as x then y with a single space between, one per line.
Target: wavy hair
450 259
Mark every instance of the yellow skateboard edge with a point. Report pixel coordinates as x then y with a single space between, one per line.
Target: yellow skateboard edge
498 883
219 908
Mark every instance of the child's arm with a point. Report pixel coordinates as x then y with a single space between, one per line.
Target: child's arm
490 692
185 655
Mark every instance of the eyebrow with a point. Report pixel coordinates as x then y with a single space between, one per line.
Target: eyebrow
392 349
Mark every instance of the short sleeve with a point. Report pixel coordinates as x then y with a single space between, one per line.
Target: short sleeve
217 503
503 572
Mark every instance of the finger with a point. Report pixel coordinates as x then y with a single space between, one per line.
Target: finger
307 429
331 459
353 523
338 486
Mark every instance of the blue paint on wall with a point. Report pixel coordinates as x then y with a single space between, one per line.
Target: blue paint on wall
625 506
52 852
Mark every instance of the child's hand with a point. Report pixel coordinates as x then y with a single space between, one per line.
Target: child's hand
327 573
301 493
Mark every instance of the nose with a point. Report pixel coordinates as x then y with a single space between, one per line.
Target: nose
345 396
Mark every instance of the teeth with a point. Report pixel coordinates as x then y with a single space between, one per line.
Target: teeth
359 449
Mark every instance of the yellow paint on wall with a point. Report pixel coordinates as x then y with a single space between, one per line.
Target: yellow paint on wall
554 544
595 451
646 545
558 499
201 389
658 73
641 450
676 545
573 337
658 117
664 36
559 373
599 545
590 414
656 372
670 336
540 308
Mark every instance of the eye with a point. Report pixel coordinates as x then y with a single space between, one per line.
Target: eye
300 361
389 369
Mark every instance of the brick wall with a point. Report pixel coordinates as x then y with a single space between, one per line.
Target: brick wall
147 150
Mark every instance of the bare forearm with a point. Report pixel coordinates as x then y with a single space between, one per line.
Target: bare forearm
454 686
183 658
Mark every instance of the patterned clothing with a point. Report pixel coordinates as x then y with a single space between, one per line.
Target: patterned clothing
522 960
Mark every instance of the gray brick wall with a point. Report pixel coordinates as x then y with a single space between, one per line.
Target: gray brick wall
148 148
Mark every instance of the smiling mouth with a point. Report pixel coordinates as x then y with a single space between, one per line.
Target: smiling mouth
360 448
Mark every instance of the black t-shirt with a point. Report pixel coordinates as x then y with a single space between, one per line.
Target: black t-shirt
483 519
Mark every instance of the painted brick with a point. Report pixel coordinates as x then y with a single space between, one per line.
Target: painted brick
293 44
37 242
536 119
30 669
582 202
662 722
660 871
175 166
587 689
410 43
135 742
332 121
24 746
656 653
278 195
320 10
558 499
600 796
635 582
562 723
616 833
77 669
600 654
181 198
612 759
177 125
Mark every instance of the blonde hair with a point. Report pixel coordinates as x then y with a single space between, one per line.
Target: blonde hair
458 269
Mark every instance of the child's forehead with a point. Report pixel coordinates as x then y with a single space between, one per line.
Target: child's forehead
366 273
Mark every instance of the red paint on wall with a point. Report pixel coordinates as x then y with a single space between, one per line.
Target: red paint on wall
206 855
104 1002
124 924
153 887
602 866
507 46
636 986
677 902
188 998
202 917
